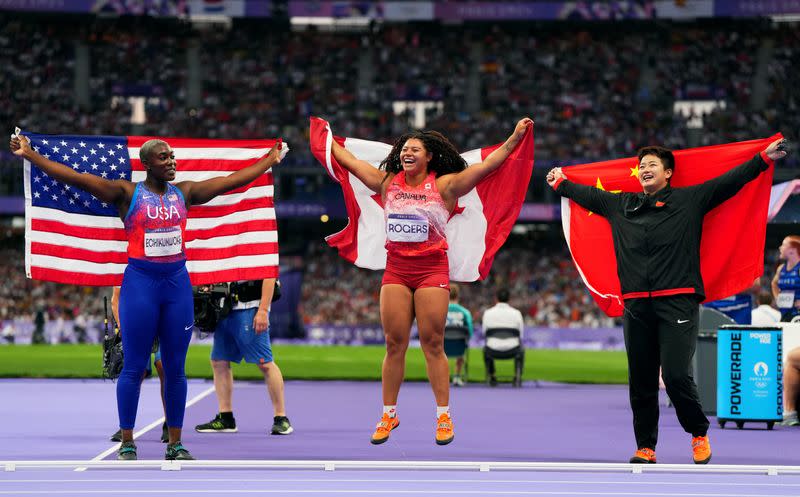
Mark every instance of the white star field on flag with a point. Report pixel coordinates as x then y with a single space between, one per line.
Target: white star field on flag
104 156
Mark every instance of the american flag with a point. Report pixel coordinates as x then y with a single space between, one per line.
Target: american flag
72 237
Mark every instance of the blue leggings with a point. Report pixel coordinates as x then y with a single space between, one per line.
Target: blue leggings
155 300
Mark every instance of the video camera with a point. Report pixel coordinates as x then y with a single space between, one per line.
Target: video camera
214 302
112 348
211 303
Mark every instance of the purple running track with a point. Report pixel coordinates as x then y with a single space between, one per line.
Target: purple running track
71 420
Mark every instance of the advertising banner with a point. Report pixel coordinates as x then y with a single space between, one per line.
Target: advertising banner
113 7
754 8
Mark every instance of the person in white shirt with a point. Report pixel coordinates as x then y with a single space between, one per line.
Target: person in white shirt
764 314
501 315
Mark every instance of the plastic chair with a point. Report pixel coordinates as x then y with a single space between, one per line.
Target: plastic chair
517 353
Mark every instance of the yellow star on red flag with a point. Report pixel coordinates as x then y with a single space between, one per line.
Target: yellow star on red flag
600 186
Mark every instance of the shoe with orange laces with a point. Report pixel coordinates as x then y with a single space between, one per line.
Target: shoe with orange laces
384 428
701 450
444 430
644 456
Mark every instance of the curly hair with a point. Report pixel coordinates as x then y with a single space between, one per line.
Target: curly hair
445 158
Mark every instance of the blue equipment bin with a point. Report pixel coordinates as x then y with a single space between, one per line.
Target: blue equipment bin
749 375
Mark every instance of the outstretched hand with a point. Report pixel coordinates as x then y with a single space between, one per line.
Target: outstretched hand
776 150
20 145
554 175
275 152
521 127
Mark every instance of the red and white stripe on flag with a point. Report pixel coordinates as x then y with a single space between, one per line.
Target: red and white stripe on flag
232 237
480 223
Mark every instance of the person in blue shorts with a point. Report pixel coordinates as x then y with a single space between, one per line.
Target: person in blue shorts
156 296
244 334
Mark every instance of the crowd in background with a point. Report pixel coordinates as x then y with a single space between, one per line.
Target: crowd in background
595 91
543 283
542 280
25 302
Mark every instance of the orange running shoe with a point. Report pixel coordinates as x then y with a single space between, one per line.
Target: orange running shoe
384 428
701 450
644 456
444 430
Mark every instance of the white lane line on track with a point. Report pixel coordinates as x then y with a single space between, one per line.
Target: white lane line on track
373 492
436 481
202 395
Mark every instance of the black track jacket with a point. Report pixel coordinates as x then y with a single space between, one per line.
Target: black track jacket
657 237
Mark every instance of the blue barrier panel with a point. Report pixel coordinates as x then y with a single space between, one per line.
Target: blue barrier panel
749 374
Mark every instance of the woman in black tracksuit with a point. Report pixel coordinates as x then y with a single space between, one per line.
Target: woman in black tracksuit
656 237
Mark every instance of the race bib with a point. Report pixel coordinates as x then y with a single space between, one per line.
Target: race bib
406 228
163 242
785 300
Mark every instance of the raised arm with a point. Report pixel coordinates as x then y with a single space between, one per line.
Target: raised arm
372 177
111 191
588 197
200 192
453 186
715 191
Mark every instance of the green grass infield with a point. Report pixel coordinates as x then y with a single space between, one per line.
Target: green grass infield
307 362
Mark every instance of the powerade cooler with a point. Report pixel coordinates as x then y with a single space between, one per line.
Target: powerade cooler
749 375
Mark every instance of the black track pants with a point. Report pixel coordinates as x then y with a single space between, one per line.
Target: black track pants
662 332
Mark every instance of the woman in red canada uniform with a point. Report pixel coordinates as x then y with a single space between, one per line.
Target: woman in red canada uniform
420 182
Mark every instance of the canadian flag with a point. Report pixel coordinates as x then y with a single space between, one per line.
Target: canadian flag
732 244
478 226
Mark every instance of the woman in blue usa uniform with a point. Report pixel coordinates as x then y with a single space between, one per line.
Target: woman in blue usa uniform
156 295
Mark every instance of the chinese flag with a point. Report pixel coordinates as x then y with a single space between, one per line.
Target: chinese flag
732 247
